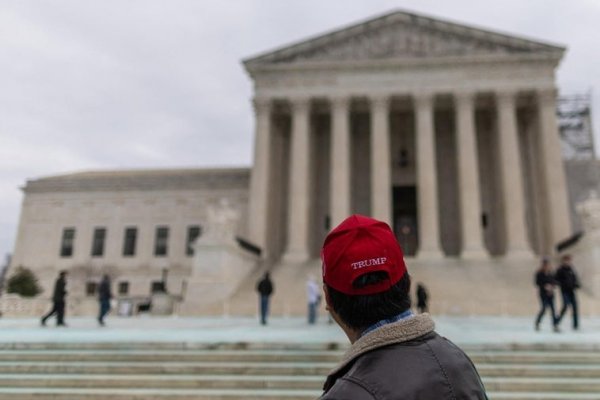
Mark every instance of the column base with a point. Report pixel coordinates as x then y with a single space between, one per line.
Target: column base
429 254
295 257
474 254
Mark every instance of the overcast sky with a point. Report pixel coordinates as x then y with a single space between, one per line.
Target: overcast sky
111 84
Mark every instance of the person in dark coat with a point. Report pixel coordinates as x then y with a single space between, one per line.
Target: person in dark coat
544 280
104 297
394 354
265 289
569 282
58 300
422 297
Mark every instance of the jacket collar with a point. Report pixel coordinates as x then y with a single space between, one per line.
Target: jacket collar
397 332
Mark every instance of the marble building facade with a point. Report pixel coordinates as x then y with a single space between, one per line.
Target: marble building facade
447 132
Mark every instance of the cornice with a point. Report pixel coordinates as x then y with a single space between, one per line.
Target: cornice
492 59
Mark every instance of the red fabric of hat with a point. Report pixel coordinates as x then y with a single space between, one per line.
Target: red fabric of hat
357 246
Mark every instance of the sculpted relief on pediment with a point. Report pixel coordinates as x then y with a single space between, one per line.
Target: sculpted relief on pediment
398 41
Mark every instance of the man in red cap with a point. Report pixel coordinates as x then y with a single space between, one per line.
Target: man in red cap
394 354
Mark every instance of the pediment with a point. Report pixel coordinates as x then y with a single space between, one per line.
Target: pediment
401 35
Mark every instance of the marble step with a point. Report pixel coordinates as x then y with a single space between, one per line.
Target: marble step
487 357
550 385
535 357
539 370
15 393
503 384
169 355
266 368
541 396
141 367
113 381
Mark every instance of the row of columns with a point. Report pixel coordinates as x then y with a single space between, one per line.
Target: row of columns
427 185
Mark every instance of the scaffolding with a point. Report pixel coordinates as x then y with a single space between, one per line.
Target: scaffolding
574 113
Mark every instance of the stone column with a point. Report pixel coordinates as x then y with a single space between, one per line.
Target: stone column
381 174
299 197
427 188
258 207
340 194
511 177
557 206
468 178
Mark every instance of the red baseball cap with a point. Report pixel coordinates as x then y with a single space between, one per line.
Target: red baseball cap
357 246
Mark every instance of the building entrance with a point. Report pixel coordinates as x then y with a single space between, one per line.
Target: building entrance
405 218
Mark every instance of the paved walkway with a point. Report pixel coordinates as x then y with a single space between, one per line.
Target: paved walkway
473 331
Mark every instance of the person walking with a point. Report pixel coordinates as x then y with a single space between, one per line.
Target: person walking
544 280
313 294
265 289
394 354
58 300
569 282
104 297
422 297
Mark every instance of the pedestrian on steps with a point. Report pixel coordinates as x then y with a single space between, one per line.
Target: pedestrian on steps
104 297
313 294
544 280
58 300
265 289
569 282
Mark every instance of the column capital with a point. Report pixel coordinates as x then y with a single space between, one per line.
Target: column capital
380 100
300 103
464 96
506 96
262 104
546 95
340 101
423 98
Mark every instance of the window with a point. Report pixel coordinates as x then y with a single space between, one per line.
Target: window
157 287
161 241
90 288
123 288
98 242
403 158
68 239
129 241
193 233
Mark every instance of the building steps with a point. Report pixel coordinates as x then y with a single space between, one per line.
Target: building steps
119 371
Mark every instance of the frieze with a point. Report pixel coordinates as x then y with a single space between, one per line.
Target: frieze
401 41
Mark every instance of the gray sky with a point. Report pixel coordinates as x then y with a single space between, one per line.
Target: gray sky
112 84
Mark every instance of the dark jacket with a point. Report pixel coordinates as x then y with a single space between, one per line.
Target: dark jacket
60 290
405 360
567 278
421 296
265 287
104 292
541 280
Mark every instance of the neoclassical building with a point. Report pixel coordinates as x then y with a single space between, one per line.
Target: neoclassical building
445 131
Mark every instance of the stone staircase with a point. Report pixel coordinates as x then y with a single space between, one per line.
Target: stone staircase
498 287
120 371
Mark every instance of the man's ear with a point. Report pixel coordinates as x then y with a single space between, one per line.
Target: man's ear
327 298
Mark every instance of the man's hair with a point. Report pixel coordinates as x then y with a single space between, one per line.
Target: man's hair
361 311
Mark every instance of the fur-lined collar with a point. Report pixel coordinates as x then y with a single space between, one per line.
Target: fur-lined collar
397 332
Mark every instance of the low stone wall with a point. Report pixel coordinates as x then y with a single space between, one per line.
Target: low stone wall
17 306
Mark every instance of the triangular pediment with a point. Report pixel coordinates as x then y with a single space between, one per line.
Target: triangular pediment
402 35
